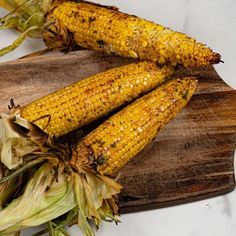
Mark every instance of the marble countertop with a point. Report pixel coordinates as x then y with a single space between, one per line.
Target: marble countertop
209 21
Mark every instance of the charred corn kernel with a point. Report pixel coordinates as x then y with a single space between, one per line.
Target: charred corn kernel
87 100
108 30
121 137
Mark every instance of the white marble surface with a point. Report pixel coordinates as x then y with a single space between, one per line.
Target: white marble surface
209 21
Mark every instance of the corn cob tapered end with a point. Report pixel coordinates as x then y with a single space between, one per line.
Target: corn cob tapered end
215 58
94 193
89 99
95 27
121 137
109 147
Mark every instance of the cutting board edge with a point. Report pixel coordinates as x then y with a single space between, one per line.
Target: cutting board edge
156 206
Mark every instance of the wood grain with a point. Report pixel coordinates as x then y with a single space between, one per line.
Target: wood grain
191 159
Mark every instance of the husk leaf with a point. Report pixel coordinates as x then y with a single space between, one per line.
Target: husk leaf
7 188
7 5
92 192
56 188
45 198
26 16
54 231
15 140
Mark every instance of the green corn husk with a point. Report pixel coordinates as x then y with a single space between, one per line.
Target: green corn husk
53 194
7 188
15 142
54 231
23 14
14 234
45 198
96 200
55 187
26 16
18 138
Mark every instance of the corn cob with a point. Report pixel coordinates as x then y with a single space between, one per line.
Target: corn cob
82 179
85 101
109 147
120 138
108 30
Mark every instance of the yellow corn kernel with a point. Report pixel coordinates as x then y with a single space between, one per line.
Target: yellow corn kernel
105 29
109 147
87 100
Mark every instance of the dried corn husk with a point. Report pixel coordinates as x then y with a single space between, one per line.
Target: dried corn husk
15 141
45 198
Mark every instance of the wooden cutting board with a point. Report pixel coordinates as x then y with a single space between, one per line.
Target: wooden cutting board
191 159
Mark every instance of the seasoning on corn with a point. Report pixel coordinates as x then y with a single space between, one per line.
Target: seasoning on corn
121 137
81 182
109 147
87 100
106 29
74 106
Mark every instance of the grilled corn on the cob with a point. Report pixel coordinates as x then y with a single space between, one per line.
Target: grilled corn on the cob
109 147
74 106
85 101
106 29
101 153
102 28
121 137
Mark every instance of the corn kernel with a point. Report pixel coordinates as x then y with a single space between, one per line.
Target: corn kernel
87 100
126 133
121 34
